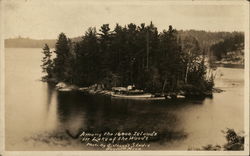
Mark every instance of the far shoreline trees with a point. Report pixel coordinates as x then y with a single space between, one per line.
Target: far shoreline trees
131 55
231 44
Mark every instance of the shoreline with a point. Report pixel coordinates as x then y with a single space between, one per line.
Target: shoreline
93 90
229 65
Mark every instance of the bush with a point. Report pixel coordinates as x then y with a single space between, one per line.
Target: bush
235 142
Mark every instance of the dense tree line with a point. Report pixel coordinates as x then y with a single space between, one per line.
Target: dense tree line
131 54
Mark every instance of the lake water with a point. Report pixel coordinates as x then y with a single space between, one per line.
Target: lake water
37 117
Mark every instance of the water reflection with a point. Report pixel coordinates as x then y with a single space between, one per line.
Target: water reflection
50 92
77 111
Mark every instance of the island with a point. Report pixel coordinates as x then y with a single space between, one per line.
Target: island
137 61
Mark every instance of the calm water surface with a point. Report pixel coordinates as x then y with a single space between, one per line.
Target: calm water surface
37 116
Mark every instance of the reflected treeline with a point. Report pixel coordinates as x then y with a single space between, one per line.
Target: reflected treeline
100 114
50 91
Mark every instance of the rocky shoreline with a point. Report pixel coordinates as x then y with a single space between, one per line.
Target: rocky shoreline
100 90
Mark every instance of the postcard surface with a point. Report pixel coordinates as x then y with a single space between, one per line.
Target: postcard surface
124 77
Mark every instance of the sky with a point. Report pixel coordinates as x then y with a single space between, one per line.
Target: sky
45 19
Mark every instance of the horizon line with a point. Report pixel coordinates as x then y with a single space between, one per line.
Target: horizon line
209 31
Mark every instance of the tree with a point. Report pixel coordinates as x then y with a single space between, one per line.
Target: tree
62 51
69 66
47 63
170 66
88 59
195 70
105 49
191 55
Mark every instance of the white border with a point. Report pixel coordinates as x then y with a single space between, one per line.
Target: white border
146 153
2 80
247 71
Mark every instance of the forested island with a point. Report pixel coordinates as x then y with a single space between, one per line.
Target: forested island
167 62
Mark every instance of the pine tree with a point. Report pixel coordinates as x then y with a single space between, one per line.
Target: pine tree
88 59
47 63
105 49
62 54
170 60
69 63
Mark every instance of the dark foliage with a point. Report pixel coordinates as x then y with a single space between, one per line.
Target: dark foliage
139 55
235 142
47 63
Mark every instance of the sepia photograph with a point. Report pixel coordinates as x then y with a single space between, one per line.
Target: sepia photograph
134 77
